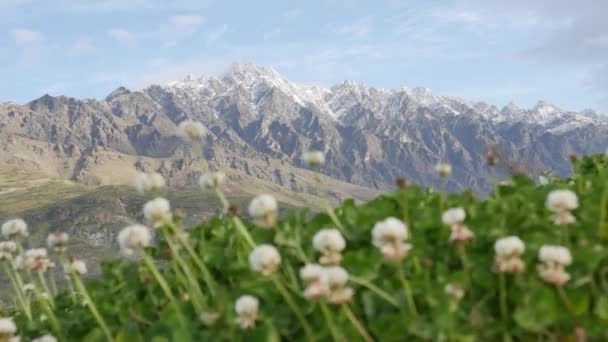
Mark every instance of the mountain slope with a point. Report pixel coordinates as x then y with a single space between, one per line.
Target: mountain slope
261 123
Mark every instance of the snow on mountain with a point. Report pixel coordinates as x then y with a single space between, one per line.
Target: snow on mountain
341 99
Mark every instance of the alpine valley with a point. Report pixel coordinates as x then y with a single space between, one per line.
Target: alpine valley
68 164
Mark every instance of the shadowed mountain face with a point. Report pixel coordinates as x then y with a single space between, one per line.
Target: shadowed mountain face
261 123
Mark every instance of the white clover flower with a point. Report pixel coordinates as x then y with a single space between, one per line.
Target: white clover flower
311 272
554 260
7 327
389 236
455 291
45 338
508 251
561 200
316 280
7 248
337 279
453 216
29 287
14 228
264 210
149 182
461 234
330 243
555 254
18 263
509 246
191 130
314 158
158 212
36 260
133 238
264 259
208 318
57 241
247 308
443 169
211 180
76 266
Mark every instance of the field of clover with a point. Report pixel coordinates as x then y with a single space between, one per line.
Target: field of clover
527 262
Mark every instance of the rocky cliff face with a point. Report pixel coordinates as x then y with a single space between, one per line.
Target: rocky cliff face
260 124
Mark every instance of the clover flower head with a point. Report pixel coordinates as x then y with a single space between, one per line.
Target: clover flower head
315 278
561 200
454 290
29 287
14 228
149 182
132 238
554 260
453 216
264 210
7 327
18 262
389 236
330 243
191 131
36 260
211 180
443 169
555 254
509 246
508 255
264 259
76 266
57 241
7 248
314 158
247 308
158 212
337 279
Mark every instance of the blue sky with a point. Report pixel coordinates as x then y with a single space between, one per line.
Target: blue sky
490 50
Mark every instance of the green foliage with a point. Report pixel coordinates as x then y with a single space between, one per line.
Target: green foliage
135 308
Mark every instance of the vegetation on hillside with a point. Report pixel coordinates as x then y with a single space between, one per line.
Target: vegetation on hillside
527 263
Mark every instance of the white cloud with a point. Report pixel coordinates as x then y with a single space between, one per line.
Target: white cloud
216 34
84 45
24 37
360 29
122 36
186 23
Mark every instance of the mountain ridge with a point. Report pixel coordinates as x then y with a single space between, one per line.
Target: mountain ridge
260 123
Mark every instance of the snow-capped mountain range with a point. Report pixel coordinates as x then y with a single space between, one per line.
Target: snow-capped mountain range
261 123
338 100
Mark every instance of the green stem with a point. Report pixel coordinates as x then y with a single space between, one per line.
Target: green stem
564 297
49 312
42 280
91 305
462 254
240 227
18 291
602 228
503 307
328 207
375 289
408 291
53 283
164 286
357 324
294 307
222 198
199 263
330 322
190 282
